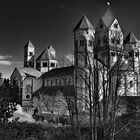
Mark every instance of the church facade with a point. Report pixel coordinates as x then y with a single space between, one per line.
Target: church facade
104 44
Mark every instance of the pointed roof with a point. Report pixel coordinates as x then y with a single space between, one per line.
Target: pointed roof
28 71
83 24
108 17
50 47
121 66
63 71
46 55
130 39
29 44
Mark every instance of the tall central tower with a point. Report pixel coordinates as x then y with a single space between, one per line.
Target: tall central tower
108 39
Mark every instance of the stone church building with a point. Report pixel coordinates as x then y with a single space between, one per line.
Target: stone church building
105 43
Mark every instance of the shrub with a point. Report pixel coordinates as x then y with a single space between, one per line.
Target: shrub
32 131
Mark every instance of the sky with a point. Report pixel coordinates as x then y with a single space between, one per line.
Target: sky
46 22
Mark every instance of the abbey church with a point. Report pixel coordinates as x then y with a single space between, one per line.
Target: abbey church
105 44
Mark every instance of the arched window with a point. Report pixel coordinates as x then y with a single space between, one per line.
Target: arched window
56 82
118 41
101 26
51 82
131 83
113 40
59 82
90 42
113 54
67 81
131 54
136 54
46 82
82 42
116 25
28 89
71 81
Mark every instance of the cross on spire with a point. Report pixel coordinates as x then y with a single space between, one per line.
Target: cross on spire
108 3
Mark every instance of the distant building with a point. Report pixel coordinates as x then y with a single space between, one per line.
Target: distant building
46 60
29 54
106 42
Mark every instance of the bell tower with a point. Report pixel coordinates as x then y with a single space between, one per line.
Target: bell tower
29 54
83 51
83 42
131 46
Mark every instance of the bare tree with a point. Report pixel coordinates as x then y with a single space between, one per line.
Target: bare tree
98 88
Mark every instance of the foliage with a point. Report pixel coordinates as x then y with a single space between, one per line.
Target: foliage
56 104
6 109
10 91
26 131
9 97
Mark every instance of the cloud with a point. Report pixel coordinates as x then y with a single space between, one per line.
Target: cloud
2 57
8 63
5 62
17 62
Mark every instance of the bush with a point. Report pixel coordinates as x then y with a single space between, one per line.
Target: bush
32 131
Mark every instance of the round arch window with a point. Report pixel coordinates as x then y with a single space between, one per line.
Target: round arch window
28 89
27 96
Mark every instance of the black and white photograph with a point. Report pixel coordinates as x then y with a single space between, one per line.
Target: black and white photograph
69 70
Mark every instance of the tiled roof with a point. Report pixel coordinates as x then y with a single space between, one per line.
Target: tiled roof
59 72
29 71
130 39
108 18
121 66
54 90
29 44
84 23
46 55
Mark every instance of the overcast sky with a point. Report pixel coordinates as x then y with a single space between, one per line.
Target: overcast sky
47 22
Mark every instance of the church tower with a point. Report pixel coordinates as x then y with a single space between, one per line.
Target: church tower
83 47
29 54
108 39
132 47
83 42
46 61
132 58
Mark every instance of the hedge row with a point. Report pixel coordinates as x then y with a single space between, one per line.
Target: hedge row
32 131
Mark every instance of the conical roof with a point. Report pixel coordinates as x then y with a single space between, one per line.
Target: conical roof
130 39
108 18
50 47
83 24
46 55
29 44
121 66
